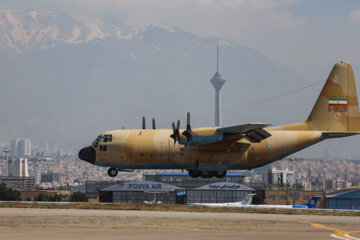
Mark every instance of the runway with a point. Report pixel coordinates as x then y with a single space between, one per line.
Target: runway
31 223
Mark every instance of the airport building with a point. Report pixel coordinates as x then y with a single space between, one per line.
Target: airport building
220 192
31 195
92 188
149 191
139 192
288 197
344 199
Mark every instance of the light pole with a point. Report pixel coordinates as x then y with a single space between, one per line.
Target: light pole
7 162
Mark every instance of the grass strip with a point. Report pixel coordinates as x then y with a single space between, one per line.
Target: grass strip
176 208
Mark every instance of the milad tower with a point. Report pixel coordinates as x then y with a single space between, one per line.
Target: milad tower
217 81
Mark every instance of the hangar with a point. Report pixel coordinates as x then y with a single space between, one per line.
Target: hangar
150 191
139 192
220 192
344 199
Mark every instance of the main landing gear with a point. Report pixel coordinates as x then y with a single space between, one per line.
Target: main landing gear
194 173
112 172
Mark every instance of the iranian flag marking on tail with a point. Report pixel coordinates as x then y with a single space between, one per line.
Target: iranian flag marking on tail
338 102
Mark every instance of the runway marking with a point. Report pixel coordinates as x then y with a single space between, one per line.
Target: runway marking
151 226
340 234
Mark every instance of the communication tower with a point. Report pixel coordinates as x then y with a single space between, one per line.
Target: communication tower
217 81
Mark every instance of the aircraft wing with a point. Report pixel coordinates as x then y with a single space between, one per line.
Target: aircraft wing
254 132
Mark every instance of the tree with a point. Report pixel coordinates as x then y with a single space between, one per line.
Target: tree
8 194
41 198
79 197
61 188
47 198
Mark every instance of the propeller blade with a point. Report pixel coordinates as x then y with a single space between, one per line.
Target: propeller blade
188 133
176 134
153 124
143 123
188 119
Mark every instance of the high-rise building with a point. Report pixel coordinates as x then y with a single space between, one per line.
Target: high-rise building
21 147
50 177
35 174
274 176
217 81
18 167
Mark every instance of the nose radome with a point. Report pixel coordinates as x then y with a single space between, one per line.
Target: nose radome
87 154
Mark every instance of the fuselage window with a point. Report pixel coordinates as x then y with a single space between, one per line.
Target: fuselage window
102 148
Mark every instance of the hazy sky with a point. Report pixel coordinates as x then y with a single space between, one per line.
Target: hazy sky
300 34
289 32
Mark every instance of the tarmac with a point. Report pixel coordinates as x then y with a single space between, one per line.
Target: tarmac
32 223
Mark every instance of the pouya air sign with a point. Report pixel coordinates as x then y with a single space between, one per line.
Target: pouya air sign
144 186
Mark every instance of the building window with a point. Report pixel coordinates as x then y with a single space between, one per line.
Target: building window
283 197
306 197
272 197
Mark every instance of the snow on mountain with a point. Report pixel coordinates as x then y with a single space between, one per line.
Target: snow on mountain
21 30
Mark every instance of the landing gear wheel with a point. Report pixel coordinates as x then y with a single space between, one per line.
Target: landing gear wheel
206 174
220 174
194 173
112 172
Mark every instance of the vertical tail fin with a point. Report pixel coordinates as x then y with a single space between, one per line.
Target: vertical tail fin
337 107
313 202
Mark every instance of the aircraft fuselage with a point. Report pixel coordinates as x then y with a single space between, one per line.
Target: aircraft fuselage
154 149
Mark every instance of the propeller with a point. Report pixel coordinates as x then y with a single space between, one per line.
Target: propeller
188 133
176 134
143 123
153 124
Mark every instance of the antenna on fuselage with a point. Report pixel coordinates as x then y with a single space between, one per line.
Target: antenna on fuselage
153 124
143 123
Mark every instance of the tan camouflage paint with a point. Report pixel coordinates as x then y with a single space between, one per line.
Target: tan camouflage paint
152 147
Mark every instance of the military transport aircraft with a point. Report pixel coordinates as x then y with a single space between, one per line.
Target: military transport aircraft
211 151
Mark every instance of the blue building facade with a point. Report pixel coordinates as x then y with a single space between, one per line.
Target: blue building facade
344 200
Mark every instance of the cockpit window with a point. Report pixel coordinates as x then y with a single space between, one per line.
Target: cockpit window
108 138
99 139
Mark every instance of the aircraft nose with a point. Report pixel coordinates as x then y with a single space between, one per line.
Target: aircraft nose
87 154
